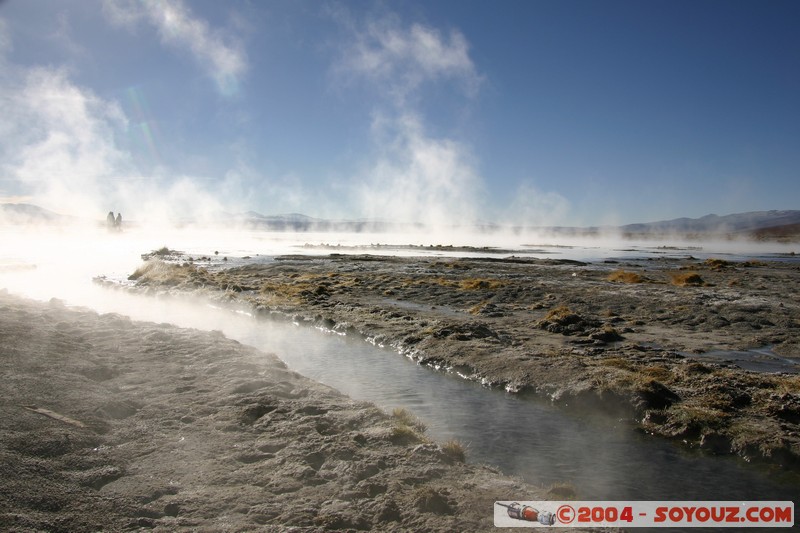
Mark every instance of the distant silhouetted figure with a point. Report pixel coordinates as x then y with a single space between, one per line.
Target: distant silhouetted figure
110 220
118 222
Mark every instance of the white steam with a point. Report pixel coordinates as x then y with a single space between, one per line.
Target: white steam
59 149
420 179
58 139
219 54
415 176
402 59
531 208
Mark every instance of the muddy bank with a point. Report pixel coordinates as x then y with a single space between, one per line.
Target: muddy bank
623 336
110 424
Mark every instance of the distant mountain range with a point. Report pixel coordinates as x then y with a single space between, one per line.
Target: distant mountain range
760 225
753 221
29 214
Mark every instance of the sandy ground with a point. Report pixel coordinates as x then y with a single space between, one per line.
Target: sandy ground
627 337
109 424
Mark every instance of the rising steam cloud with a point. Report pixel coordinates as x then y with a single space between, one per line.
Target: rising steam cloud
64 147
420 179
220 55
59 147
414 176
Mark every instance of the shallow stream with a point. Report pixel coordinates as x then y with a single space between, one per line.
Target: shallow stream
602 457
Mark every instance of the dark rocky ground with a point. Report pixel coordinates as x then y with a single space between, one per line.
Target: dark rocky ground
618 336
112 425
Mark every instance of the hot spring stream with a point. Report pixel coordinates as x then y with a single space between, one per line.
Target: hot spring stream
604 458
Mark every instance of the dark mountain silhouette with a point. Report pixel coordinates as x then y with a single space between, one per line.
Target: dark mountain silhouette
759 225
753 221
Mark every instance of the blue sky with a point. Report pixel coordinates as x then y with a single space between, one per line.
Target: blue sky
557 112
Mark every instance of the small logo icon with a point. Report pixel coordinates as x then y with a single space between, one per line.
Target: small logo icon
529 514
565 514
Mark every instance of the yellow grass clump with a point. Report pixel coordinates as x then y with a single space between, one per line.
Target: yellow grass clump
473 284
404 417
558 313
454 451
562 490
159 272
682 279
622 276
717 264
408 428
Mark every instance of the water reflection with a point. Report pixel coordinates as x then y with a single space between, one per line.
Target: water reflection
603 457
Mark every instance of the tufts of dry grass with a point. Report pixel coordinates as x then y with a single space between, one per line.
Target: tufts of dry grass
694 418
408 429
717 264
621 276
405 435
477 308
563 490
657 372
474 284
454 451
559 313
618 362
684 279
404 417
161 273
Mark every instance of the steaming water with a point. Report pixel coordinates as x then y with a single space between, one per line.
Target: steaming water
531 438
603 457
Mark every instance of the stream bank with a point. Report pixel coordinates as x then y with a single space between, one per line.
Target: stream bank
580 334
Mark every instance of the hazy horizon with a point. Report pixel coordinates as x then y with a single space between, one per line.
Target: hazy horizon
551 113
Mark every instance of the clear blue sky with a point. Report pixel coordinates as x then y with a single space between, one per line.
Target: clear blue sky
538 111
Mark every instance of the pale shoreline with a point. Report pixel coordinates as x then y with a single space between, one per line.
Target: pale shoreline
113 424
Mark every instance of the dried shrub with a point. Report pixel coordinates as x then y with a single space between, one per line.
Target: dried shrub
619 362
683 279
161 273
404 417
560 313
717 264
454 451
657 372
474 284
477 308
621 276
562 490
405 435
